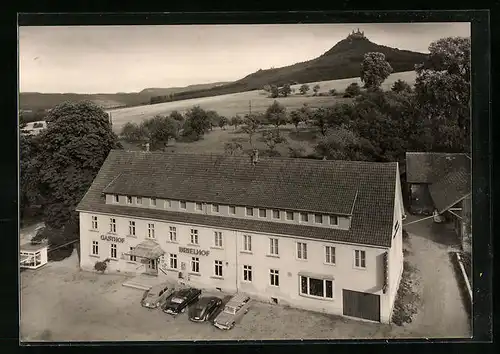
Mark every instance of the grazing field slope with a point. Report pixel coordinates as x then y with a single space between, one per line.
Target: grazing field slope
239 103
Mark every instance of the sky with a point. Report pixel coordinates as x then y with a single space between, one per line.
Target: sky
110 59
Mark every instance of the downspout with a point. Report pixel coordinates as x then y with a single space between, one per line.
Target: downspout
237 264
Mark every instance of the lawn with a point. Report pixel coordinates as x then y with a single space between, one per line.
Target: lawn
240 103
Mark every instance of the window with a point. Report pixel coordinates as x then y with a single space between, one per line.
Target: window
168 203
316 287
152 201
276 214
151 230
275 277
194 236
195 264
218 268
329 254
232 210
116 198
131 228
359 259
218 238
334 220
132 258
247 273
112 225
304 217
262 213
95 248
215 208
173 233
138 200
301 250
289 215
113 250
94 222
183 205
318 218
273 245
249 211
129 200
173 261
199 206
247 243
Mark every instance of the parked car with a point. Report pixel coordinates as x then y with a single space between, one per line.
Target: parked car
179 300
234 310
154 297
204 309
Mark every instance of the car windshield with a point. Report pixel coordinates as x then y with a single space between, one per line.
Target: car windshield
151 294
177 300
230 309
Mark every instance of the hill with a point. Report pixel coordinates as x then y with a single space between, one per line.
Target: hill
239 103
341 61
39 101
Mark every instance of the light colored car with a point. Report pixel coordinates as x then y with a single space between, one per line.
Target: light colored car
234 310
155 296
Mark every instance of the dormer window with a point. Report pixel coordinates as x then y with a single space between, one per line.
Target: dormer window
276 214
215 208
249 211
199 206
129 200
183 204
318 218
139 200
116 198
334 220
262 213
304 217
153 201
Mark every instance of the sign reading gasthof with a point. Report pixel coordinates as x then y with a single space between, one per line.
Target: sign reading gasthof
194 251
112 238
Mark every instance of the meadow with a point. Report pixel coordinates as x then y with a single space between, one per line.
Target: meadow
240 103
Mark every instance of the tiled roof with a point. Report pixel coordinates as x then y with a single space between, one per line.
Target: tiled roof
326 186
430 167
450 189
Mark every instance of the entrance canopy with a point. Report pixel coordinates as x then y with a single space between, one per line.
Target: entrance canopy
148 249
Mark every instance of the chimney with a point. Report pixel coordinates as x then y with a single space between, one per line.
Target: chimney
147 147
255 156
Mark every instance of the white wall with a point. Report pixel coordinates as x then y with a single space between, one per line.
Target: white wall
345 275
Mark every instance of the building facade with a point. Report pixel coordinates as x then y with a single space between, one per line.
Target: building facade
308 253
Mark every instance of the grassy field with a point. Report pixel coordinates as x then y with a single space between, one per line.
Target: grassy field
238 103
213 142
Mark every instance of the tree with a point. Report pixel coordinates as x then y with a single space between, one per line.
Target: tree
332 92
233 148
296 118
132 132
160 130
343 144
276 114
175 115
267 88
285 90
442 90
197 122
272 138
275 92
213 118
252 123
316 89
223 121
400 86
374 70
72 149
320 119
29 179
235 121
304 88
352 90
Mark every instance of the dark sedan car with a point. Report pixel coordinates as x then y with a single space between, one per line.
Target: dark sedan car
179 300
204 309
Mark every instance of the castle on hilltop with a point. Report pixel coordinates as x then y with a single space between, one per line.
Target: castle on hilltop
356 35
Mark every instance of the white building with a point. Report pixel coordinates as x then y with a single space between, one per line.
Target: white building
34 128
318 235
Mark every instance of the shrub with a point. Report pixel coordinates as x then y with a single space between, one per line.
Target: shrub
101 266
405 234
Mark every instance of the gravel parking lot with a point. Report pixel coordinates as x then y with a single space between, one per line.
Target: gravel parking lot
61 303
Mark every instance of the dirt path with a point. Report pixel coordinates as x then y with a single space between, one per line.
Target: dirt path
443 313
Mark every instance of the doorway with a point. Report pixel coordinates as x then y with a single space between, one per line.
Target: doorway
152 267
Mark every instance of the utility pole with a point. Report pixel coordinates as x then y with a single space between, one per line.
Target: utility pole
110 120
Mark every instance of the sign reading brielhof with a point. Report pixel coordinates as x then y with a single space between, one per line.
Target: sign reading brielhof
112 238
194 251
